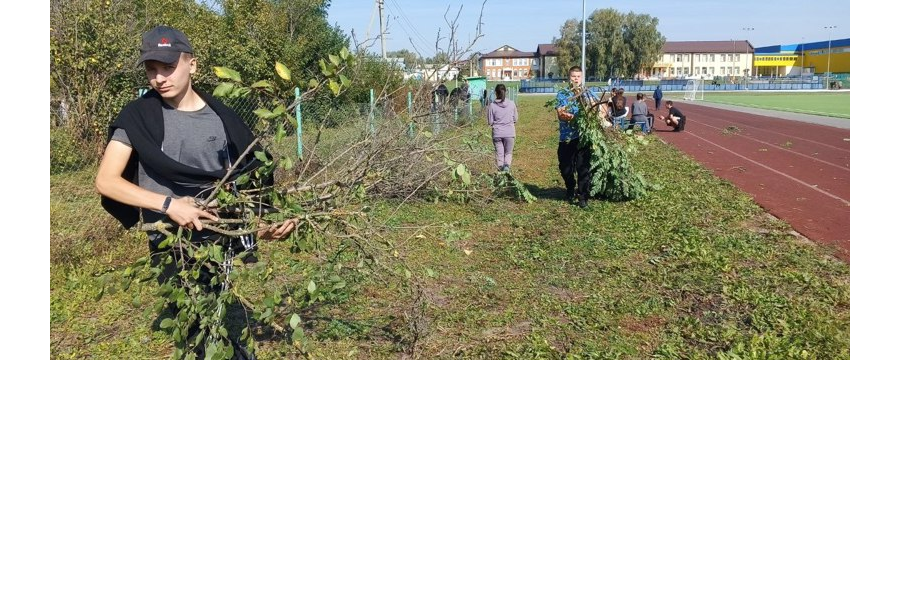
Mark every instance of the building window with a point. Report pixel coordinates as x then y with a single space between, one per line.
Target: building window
722 59
721 70
677 58
704 70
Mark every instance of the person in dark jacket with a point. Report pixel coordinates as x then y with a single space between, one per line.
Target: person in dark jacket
675 119
168 149
442 92
657 96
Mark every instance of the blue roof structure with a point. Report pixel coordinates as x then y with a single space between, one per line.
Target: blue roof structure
793 48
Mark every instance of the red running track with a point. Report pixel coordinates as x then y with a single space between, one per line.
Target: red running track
797 171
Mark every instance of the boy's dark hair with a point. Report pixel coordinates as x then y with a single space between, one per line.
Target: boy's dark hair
640 96
573 69
669 103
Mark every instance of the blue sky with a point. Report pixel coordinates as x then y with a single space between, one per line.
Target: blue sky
526 23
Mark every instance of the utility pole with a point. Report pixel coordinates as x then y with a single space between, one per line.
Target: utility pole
583 37
828 68
381 26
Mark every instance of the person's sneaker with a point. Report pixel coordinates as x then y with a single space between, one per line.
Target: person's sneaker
582 203
505 168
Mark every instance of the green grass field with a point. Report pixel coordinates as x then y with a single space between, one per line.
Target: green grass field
828 104
694 270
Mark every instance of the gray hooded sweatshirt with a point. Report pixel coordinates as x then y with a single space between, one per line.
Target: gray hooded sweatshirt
502 117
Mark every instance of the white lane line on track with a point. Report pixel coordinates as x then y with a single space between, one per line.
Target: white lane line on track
750 160
800 154
750 125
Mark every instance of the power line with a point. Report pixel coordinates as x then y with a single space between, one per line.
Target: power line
412 31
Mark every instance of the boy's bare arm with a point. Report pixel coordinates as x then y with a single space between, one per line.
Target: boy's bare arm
110 183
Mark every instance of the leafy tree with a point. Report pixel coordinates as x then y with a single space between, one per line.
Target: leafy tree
94 45
616 44
643 41
410 58
568 44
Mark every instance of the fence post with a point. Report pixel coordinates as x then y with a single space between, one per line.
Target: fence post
409 112
371 110
299 124
436 115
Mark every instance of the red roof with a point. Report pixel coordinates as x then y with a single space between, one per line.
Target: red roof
742 46
547 50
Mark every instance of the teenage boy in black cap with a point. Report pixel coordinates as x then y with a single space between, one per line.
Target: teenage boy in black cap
170 146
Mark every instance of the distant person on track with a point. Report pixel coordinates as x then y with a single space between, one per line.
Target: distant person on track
657 96
502 115
675 119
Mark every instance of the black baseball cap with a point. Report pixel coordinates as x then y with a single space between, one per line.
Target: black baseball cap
164 44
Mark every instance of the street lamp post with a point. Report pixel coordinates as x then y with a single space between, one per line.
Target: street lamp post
583 36
733 59
748 30
828 68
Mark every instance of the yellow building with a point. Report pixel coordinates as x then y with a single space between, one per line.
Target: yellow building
808 59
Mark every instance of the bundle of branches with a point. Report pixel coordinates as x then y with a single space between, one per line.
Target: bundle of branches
348 159
325 195
613 176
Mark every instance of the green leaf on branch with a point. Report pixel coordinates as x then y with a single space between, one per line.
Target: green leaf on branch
223 89
282 71
463 173
295 321
345 53
264 113
263 84
313 84
345 81
334 86
311 288
226 73
334 60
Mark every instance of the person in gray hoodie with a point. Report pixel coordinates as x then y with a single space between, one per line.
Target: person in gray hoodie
502 115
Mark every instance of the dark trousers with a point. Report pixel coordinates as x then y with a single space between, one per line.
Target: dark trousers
575 160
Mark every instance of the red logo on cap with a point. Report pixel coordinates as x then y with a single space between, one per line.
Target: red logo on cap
164 40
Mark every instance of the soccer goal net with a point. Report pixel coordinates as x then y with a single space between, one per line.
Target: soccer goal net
691 91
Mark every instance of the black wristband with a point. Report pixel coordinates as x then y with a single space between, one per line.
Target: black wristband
166 203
